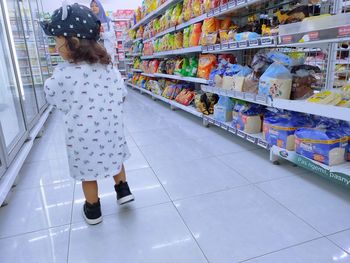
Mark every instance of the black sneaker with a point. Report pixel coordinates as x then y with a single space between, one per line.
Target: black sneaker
92 213
124 194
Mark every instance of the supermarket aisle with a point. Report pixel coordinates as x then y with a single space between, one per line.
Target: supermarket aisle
201 196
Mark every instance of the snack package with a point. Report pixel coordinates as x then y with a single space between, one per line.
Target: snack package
246 36
326 97
260 63
276 82
281 128
191 70
197 8
206 63
210 25
207 5
185 97
226 23
178 66
187 10
170 66
323 145
185 67
186 37
248 118
223 109
176 14
303 80
284 59
196 31
179 38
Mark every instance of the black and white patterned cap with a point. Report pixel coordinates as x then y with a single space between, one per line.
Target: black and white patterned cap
73 21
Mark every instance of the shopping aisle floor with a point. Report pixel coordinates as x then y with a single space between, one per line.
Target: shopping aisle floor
202 195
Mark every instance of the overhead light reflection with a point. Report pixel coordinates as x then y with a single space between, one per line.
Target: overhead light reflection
169 244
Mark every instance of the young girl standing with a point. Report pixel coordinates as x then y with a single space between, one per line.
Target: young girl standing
90 92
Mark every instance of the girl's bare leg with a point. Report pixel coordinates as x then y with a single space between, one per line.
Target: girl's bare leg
90 189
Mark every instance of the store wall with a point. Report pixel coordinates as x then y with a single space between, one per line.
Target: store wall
109 5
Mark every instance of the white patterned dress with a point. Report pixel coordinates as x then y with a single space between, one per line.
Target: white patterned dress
91 98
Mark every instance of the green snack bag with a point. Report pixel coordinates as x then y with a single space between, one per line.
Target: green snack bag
193 67
185 66
186 41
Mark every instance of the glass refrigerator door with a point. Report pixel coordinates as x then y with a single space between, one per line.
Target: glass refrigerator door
30 35
26 60
41 41
11 116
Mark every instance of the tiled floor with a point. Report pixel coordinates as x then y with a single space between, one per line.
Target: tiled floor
201 196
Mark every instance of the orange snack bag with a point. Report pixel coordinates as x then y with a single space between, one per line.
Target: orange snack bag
205 64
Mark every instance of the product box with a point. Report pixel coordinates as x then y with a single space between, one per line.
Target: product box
325 146
233 82
248 124
280 136
222 113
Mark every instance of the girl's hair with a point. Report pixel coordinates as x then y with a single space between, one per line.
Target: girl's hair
87 50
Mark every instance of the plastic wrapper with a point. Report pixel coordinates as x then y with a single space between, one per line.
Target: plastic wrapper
176 14
187 10
186 35
178 66
170 66
223 109
197 7
185 97
196 31
303 80
248 118
210 25
191 70
205 65
209 39
179 38
226 23
276 82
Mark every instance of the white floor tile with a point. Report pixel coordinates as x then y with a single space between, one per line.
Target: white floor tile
155 234
198 177
43 150
143 184
43 173
342 239
130 141
46 246
240 224
256 167
36 209
136 160
174 152
317 251
320 203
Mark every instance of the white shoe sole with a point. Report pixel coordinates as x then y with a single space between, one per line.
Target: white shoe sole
126 199
92 221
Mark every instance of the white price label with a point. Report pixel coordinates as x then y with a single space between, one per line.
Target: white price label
217 10
261 99
232 130
224 7
224 46
266 41
239 94
249 96
204 48
210 48
251 138
253 42
242 44
231 4
240 2
217 47
241 134
233 45
263 144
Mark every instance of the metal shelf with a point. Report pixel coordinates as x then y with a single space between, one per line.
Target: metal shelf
161 9
339 174
188 79
137 70
189 50
172 103
250 97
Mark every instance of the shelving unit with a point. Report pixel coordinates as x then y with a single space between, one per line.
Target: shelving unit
314 41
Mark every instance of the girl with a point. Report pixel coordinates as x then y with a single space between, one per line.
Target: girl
107 30
90 94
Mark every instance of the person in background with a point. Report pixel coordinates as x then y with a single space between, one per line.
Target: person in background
89 91
107 29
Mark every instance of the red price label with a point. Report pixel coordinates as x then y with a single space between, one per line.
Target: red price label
344 31
287 39
314 35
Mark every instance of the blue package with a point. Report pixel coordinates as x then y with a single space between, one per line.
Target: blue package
247 118
223 109
246 36
323 145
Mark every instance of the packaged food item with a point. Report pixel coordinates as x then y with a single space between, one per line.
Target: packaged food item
205 65
179 37
223 109
197 8
210 25
187 10
196 31
208 39
170 66
191 71
206 102
276 82
185 67
185 97
247 118
178 66
246 36
323 145
176 14
207 5
326 97
186 39
303 80
226 23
